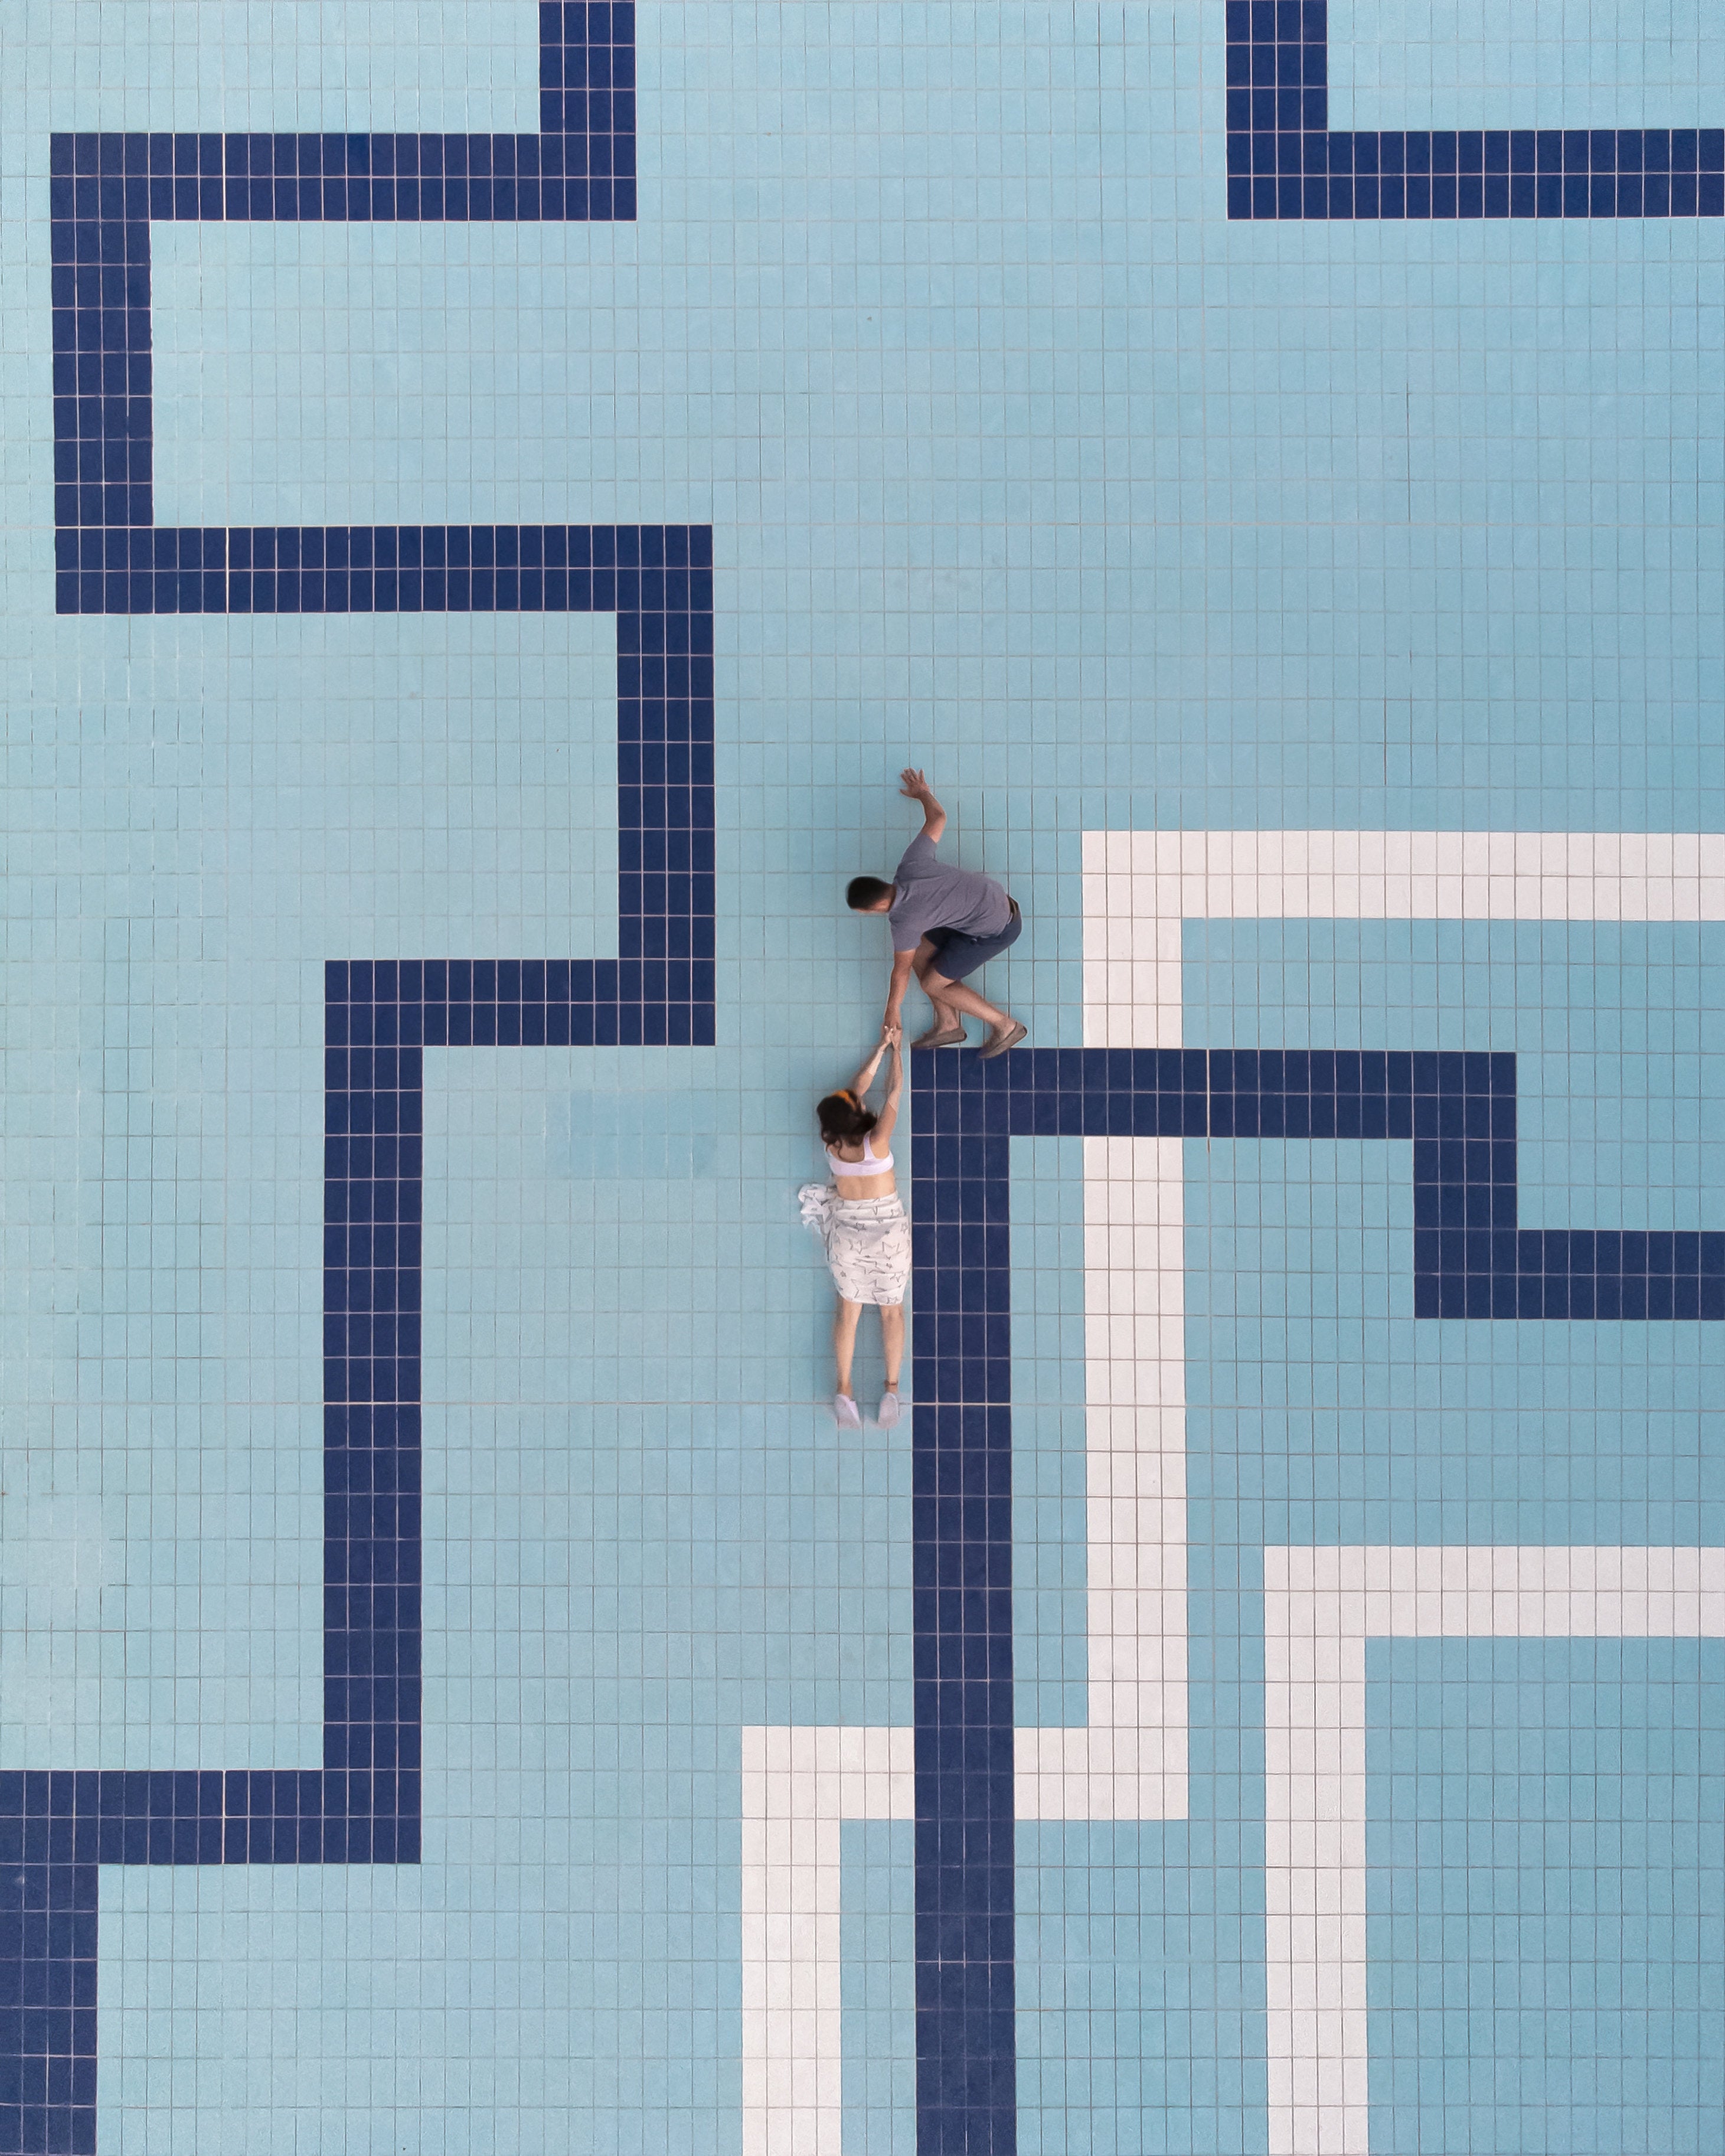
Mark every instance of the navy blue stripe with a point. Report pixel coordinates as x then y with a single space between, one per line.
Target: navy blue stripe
106 190
47 1983
653 577
273 1815
961 1619
580 166
1283 160
363 1805
1470 1259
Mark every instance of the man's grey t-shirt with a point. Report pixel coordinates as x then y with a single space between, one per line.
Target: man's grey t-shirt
931 893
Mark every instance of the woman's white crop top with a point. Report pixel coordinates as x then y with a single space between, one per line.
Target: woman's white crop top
871 1164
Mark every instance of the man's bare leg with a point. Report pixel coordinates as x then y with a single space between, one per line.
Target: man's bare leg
953 995
945 1017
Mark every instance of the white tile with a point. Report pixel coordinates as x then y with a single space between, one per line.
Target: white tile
1319 1608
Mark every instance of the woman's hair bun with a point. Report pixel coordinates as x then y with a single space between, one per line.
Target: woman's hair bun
843 1118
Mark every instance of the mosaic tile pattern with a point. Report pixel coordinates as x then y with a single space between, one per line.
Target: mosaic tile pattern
472 575
1285 161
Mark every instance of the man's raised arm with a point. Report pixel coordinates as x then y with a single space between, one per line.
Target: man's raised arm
915 787
901 962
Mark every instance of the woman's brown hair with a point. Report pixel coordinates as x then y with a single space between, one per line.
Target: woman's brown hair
843 1117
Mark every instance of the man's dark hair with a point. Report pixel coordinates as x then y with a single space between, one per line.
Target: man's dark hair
863 892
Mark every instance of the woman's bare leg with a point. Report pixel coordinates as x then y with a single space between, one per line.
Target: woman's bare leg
844 1339
892 1341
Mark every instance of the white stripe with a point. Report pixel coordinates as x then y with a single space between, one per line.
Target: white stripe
1139 886
799 1785
1129 1761
1320 1606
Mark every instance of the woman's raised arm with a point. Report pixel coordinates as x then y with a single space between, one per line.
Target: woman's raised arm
894 1085
865 1078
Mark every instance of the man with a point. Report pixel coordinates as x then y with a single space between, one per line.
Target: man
945 921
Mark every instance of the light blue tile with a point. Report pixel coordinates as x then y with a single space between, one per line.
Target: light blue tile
1024 463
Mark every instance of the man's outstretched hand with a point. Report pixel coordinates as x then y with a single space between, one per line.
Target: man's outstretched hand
915 787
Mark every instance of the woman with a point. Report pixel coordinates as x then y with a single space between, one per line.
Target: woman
861 1219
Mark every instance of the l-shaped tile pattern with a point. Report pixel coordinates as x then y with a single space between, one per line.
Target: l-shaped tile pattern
1286 161
1134 1094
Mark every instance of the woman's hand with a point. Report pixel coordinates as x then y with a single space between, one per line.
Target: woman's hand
913 785
891 1034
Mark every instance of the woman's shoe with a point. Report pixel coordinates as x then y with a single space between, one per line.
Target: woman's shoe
886 1415
845 1412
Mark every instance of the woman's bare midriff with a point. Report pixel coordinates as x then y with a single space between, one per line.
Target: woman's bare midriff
870 1186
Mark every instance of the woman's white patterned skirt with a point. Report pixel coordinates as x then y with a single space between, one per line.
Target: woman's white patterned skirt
868 1242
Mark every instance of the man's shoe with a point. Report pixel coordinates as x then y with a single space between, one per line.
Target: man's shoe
997 1043
952 1037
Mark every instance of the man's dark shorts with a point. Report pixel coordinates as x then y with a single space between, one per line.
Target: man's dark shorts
955 955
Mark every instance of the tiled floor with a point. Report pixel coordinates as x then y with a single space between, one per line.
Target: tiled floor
493 495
